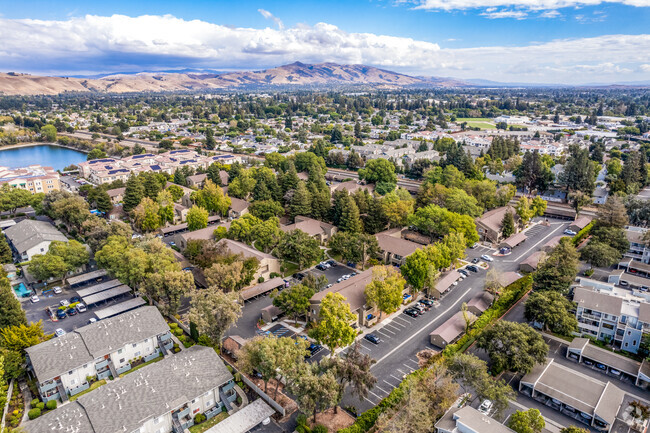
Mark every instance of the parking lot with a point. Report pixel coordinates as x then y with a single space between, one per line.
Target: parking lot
35 311
333 273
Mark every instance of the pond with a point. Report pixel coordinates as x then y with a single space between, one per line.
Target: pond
44 154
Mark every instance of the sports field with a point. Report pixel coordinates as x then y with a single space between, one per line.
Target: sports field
477 122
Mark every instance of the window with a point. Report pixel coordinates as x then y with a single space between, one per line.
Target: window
122 361
137 354
633 342
119 352
134 345
85 365
209 403
70 372
193 401
73 382
146 340
157 420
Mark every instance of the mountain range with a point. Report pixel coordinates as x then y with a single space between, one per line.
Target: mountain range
295 75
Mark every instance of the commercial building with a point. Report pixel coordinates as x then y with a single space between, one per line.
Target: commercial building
31 237
163 397
106 348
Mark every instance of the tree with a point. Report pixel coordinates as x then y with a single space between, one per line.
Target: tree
298 247
508 225
257 355
133 193
46 266
438 222
12 198
226 277
300 203
579 200
197 218
165 203
333 328
293 301
314 392
378 170
209 139
612 213
267 234
493 281
559 269
212 198
354 247
97 230
353 369
11 313
524 210
20 337
176 192
146 215
168 287
529 421
350 221
265 209
552 310
103 202
599 254
48 132
6 256
214 312
385 290
533 174
574 429
397 206
242 185
578 174
513 346
73 253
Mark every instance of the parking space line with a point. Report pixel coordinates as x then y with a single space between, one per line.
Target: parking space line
391 385
410 369
380 398
382 389
414 362
395 377
381 331
405 321
396 324
400 371
393 327
366 347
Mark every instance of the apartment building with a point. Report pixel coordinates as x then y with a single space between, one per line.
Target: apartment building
469 420
268 264
106 348
35 178
612 314
163 397
393 248
31 237
638 247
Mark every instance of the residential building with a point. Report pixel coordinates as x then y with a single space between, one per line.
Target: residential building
35 178
469 420
489 224
197 180
106 348
268 264
576 395
394 249
116 195
31 237
319 230
238 207
612 314
163 397
639 249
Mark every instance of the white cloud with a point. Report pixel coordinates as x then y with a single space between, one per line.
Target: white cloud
550 14
528 4
645 67
121 43
269 16
492 14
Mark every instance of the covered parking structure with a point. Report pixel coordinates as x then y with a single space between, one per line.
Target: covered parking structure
608 362
80 280
576 395
120 308
445 284
513 240
98 288
629 280
450 330
106 295
263 288
635 267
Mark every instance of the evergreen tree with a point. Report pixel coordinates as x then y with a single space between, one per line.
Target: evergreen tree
209 139
11 313
375 220
300 202
103 201
290 178
508 225
578 174
337 135
133 193
6 255
350 221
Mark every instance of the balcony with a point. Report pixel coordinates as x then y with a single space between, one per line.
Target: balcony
591 317
101 364
44 387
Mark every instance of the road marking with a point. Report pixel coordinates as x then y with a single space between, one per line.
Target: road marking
381 331
394 328
406 319
380 398
423 328
410 369
382 389
534 246
403 374
395 377
366 347
414 362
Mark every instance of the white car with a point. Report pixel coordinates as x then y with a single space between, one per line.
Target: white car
569 232
58 290
485 407
487 258
92 320
59 332
34 298
64 303
81 308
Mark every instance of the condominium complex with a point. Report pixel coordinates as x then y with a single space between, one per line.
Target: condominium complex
34 178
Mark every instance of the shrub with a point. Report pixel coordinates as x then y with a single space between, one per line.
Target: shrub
50 405
260 280
177 332
199 418
301 419
238 377
34 402
319 428
230 369
582 234
173 325
274 275
34 413
40 405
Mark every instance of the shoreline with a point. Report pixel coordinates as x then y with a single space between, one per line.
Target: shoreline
39 143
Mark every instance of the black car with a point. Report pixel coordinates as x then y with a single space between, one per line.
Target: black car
472 268
332 263
313 350
75 299
60 314
412 312
464 272
372 338
320 267
476 260
427 302
72 311
298 276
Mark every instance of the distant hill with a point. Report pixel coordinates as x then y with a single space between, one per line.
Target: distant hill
296 74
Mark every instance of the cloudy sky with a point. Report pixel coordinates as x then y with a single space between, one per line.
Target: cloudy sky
534 41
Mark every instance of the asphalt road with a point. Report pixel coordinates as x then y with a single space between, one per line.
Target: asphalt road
403 336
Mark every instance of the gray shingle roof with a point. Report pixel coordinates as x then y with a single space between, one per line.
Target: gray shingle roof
59 355
29 233
125 404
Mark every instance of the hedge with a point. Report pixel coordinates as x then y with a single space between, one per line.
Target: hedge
511 295
582 234
34 413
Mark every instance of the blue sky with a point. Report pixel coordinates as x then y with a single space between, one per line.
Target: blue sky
546 41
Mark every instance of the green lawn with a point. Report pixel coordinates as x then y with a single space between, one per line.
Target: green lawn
200 428
160 358
474 119
477 122
95 385
289 268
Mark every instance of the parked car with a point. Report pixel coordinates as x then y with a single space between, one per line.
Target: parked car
34 299
427 302
614 372
601 366
59 332
64 303
81 308
412 312
420 308
475 245
72 312
587 362
569 232
332 263
75 299
471 268
320 267
91 320
328 286
351 265
60 314
485 407
487 258
463 272
372 338
57 290
476 260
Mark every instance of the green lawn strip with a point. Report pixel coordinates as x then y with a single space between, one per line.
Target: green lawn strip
474 119
289 268
94 386
200 428
142 365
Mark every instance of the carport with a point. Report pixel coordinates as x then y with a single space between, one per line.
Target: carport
635 267
84 278
513 240
580 350
445 284
106 295
450 330
261 288
122 307
245 419
98 288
